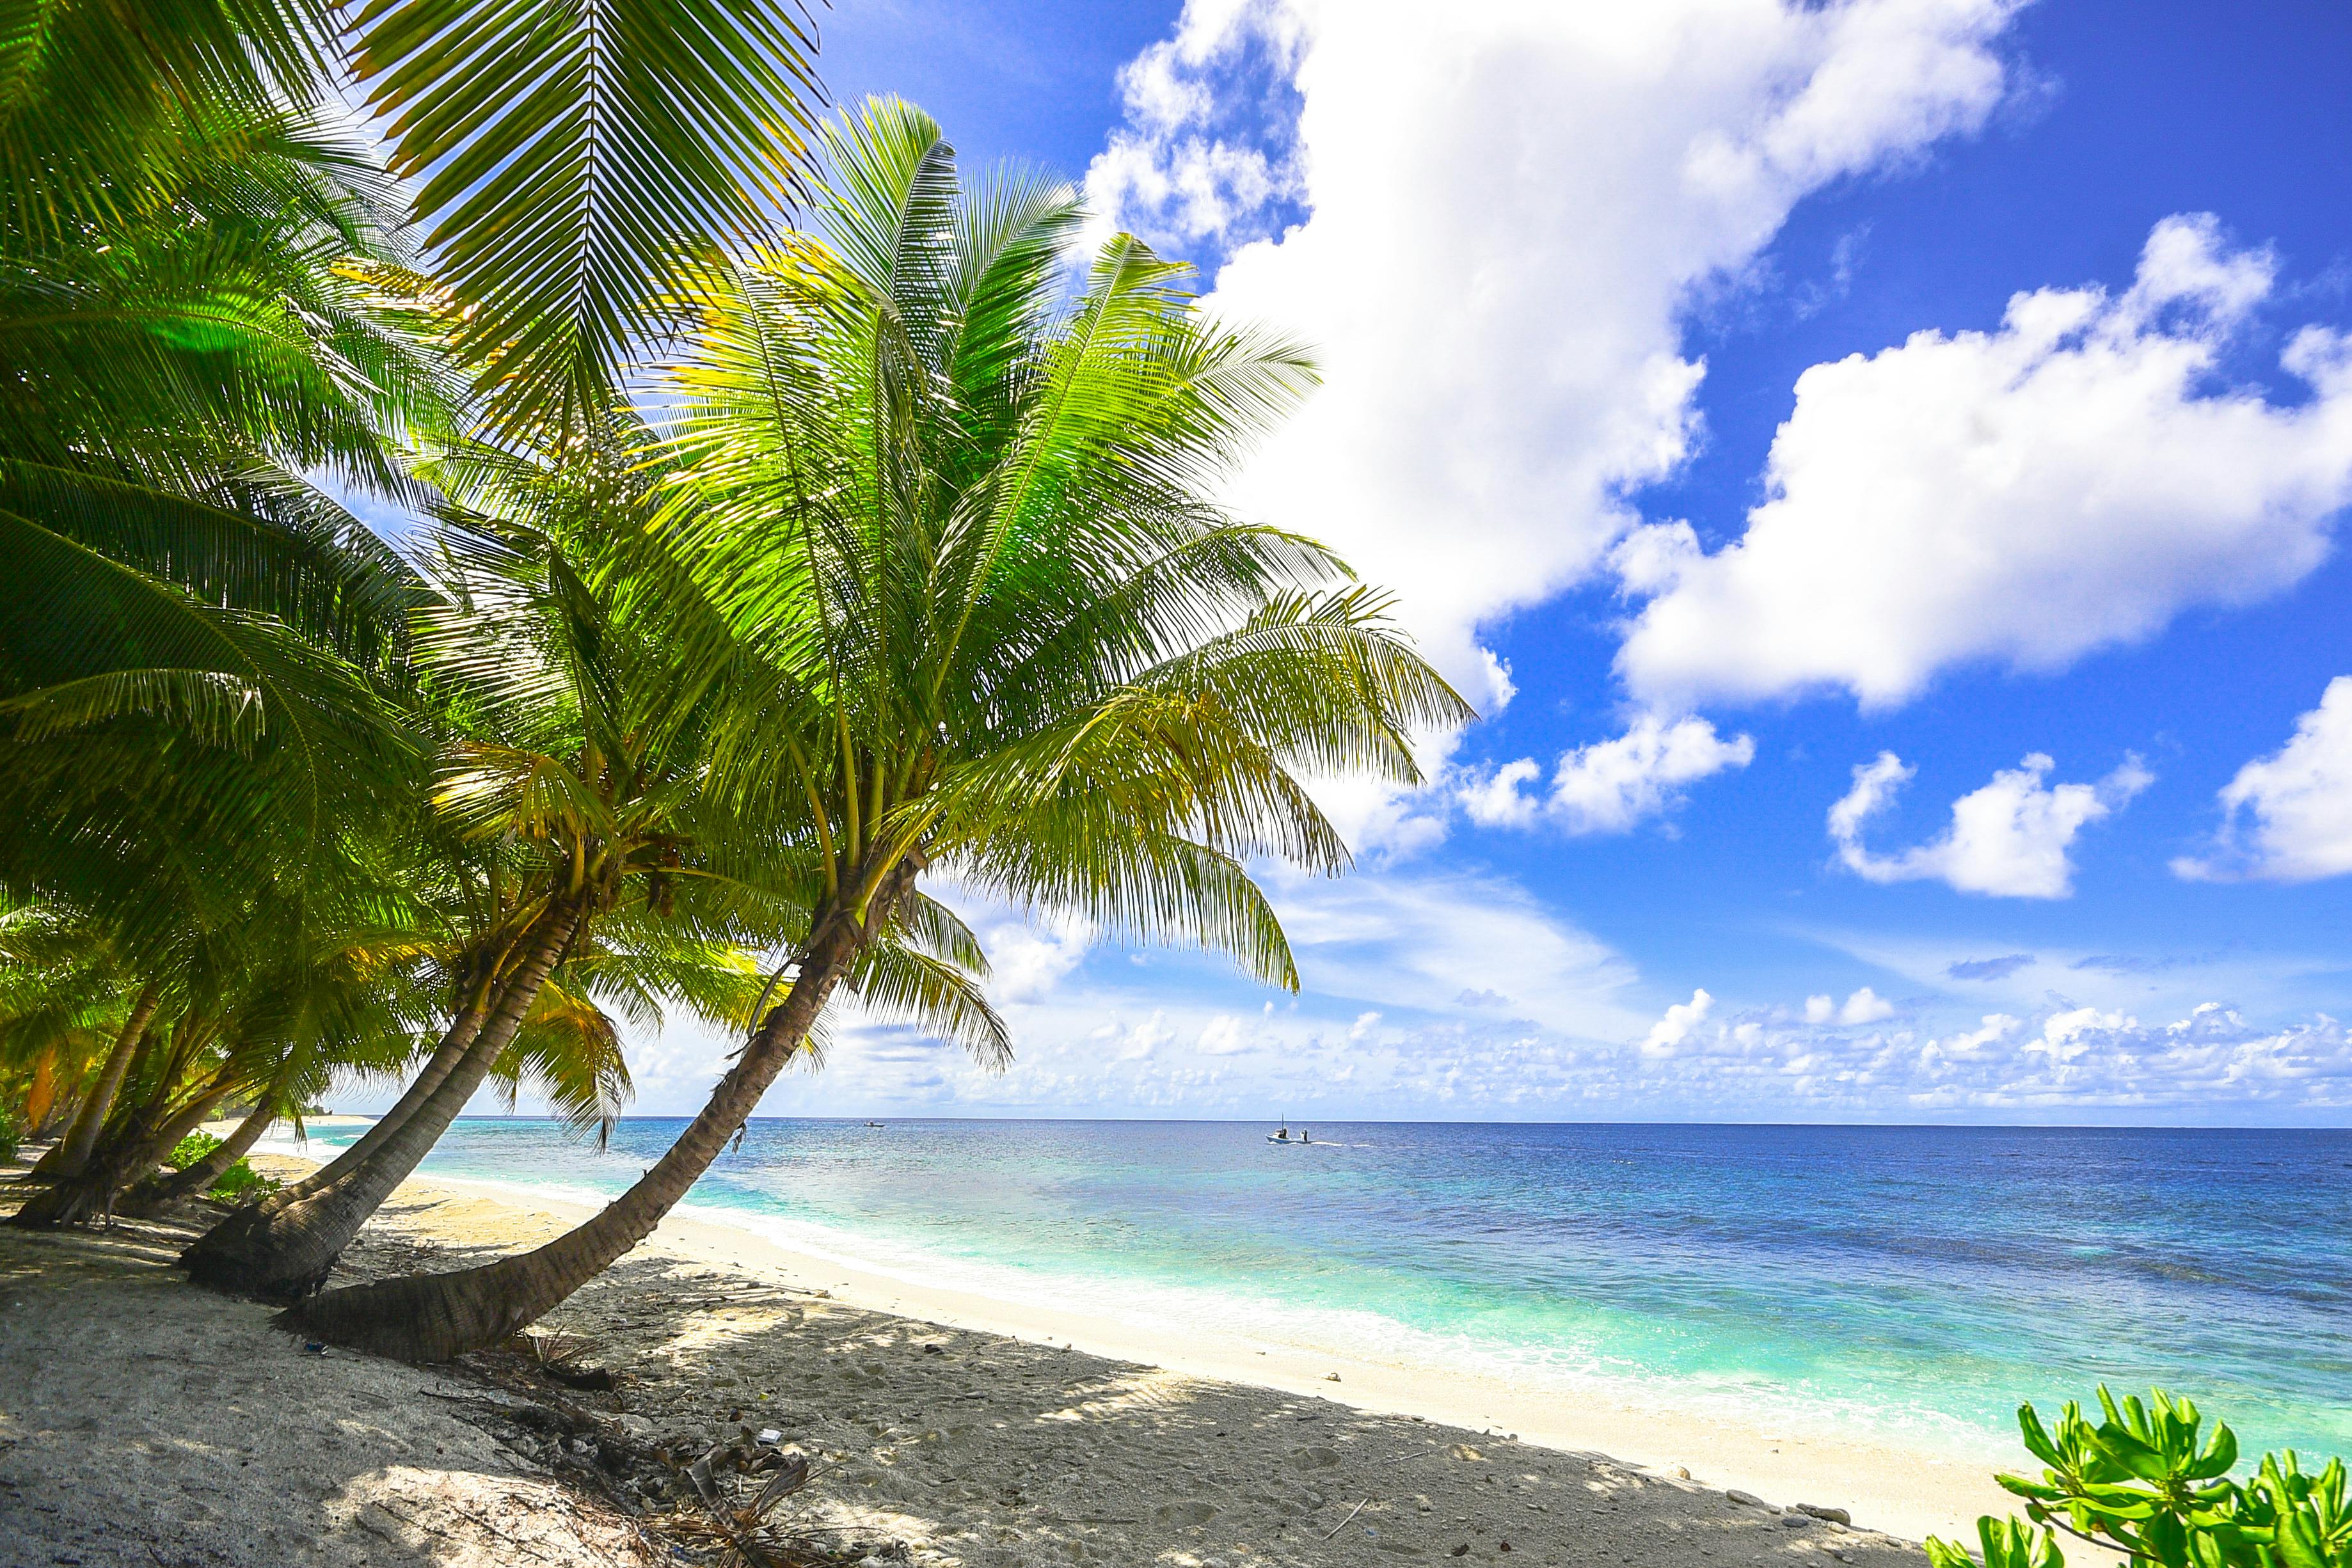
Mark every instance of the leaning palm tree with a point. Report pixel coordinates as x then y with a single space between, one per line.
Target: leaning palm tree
69 1021
263 999
207 296
968 606
576 764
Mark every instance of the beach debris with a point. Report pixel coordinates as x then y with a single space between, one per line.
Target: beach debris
752 1536
1330 1377
589 1379
555 1356
787 1480
1352 1513
1833 1515
770 1437
1680 1472
314 1347
698 1474
1464 1452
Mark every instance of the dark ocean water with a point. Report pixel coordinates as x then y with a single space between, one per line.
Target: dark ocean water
1912 1284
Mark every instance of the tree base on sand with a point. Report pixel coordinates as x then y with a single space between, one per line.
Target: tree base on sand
72 1201
239 1256
417 1318
283 1251
89 1194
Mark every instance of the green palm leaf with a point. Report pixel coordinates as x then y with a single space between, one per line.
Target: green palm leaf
576 157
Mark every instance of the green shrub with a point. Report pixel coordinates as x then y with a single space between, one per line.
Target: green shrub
241 1181
191 1149
2141 1483
235 1184
9 1134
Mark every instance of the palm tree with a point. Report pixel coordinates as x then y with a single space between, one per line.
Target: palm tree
69 1022
246 1008
573 762
205 297
950 550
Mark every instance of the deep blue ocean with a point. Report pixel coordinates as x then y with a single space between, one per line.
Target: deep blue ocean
1910 1284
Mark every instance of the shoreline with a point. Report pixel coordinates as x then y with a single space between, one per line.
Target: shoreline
1904 1491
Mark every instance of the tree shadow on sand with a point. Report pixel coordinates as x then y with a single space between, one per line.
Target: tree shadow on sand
990 1452
144 1421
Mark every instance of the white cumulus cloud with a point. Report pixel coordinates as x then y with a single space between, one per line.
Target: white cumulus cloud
1610 786
1676 1026
2287 817
2009 839
1507 207
1223 1035
2023 496
1027 961
1865 1006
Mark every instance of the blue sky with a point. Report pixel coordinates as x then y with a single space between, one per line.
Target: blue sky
1879 468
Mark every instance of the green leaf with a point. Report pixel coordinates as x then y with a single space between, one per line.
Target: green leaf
576 161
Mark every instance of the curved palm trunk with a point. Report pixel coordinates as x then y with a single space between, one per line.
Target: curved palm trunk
134 1152
73 1151
434 1317
463 1030
286 1253
152 1193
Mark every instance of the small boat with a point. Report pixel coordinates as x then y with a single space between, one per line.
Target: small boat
874 1123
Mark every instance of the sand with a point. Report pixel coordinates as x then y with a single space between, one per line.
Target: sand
143 1418
144 1422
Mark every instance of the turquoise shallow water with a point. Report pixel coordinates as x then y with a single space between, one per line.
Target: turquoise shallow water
1907 1283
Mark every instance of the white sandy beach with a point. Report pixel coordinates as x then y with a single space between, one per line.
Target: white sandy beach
1905 1492
994 1432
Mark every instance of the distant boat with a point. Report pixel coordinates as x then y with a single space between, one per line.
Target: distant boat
1283 1136
873 1123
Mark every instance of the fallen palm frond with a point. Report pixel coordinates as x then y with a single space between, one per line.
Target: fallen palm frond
758 1533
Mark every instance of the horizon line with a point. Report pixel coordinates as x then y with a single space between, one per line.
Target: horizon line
1409 1122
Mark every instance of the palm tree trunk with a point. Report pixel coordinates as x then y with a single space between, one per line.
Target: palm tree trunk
464 1027
287 1252
72 1152
134 1151
435 1317
153 1194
